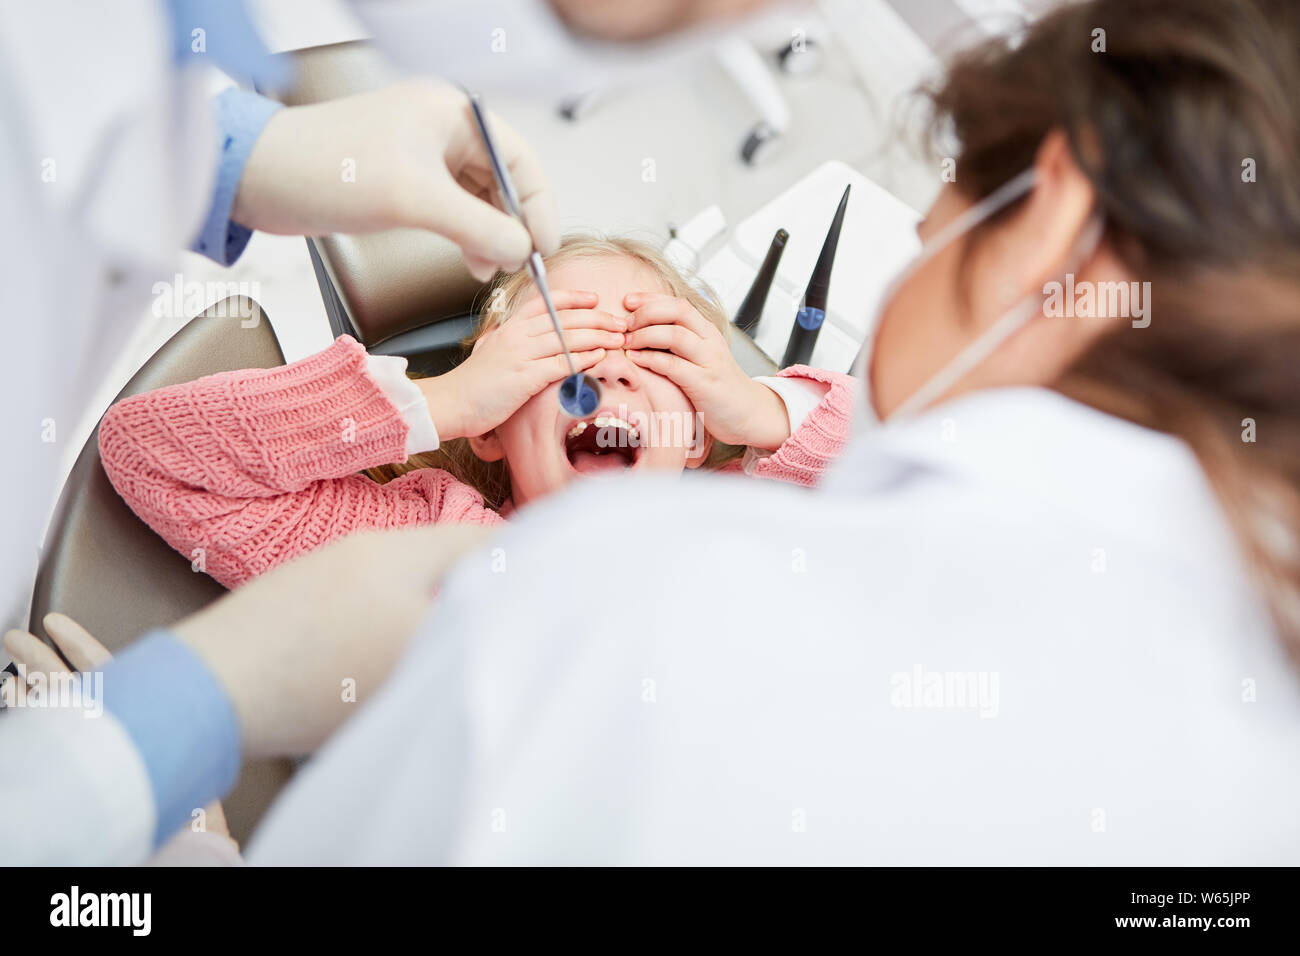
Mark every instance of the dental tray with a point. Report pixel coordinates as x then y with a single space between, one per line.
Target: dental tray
878 239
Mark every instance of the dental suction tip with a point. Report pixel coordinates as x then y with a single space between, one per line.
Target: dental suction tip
579 395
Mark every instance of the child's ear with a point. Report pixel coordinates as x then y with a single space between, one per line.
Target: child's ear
487 447
697 455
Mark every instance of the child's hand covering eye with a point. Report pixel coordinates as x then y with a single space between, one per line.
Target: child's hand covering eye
668 336
519 358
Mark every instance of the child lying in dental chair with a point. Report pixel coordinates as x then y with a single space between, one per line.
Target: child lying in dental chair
241 471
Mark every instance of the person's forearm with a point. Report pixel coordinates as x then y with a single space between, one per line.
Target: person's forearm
769 423
443 394
819 407
283 645
253 433
264 200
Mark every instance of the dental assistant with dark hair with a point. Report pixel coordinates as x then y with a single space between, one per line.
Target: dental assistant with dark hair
1046 609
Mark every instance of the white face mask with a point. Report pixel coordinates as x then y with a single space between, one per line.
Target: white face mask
1001 330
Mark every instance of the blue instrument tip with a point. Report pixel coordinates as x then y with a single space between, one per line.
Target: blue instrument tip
579 395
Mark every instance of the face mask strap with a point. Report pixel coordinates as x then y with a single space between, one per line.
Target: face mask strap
1008 192
1004 195
1015 318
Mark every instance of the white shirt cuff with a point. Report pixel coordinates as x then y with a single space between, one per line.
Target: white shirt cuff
389 373
800 396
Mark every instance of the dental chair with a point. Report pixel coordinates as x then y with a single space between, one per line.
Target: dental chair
405 293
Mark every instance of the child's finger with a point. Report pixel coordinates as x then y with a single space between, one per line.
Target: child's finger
33 653
650 309
666 364
575 319
558 369
674 338
78 646
579 340
560 298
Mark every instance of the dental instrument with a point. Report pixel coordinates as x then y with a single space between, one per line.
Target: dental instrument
579 394
751 309
812 313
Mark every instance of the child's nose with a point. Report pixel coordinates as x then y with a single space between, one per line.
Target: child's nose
617 368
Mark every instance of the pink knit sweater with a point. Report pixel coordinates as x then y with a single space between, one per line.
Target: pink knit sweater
241 471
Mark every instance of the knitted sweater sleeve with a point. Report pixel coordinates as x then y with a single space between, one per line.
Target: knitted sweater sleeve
241 471
818 441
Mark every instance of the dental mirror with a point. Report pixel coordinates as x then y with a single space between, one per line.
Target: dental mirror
579 394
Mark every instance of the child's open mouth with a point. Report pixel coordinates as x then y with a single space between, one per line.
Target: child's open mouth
604 443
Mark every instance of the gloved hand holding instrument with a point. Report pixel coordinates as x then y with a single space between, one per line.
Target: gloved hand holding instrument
579 394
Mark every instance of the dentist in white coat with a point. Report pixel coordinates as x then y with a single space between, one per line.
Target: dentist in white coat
112 159
1043 610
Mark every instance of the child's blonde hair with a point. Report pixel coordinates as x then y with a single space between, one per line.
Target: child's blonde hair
492 478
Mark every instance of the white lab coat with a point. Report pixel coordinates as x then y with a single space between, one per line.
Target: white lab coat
726 671
106 169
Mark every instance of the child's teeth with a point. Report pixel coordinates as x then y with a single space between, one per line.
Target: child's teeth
605 421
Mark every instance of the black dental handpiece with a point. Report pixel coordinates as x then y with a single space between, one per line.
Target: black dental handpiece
750 312
812 313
